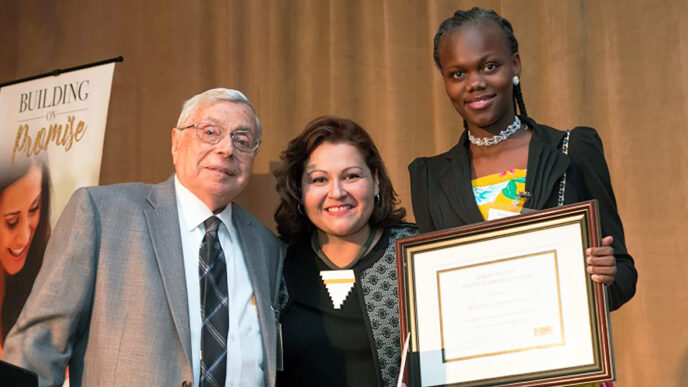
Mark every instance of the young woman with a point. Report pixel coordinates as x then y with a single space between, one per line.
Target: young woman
505 162
339 308
24 232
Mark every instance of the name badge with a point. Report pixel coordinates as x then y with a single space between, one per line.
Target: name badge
494 213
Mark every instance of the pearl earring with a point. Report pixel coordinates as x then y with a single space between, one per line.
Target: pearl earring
516 80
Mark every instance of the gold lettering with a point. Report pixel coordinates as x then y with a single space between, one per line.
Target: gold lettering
69 133
80 130
54 133
63 136
38 144
23 130
543 331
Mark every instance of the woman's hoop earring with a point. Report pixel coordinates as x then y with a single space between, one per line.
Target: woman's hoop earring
299 208
516 80
377 198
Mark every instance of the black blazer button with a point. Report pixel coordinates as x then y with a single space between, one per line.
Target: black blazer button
186 383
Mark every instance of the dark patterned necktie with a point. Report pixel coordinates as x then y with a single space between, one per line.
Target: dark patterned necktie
214 307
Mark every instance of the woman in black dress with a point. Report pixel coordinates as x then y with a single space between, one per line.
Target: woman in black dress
338 303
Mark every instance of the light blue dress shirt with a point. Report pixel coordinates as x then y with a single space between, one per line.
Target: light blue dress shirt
245 352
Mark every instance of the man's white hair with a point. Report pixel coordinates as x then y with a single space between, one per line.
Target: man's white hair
216 95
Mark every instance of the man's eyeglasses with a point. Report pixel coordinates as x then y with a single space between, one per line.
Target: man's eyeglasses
242 140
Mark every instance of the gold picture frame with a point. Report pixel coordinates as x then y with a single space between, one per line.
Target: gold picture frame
505 302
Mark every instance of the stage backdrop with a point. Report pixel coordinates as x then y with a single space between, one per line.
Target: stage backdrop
619 66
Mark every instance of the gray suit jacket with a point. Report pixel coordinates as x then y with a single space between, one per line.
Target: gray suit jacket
110 300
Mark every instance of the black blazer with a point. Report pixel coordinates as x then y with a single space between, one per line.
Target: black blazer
443 197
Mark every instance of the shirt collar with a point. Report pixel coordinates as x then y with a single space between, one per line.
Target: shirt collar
194 211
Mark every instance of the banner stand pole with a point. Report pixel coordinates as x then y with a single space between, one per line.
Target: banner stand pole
57 72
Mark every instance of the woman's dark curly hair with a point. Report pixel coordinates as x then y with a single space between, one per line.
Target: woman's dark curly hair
18 286
476 14
292 222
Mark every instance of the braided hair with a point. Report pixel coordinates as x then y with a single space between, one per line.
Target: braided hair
476 14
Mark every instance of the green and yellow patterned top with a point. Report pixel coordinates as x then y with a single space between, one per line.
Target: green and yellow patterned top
497 195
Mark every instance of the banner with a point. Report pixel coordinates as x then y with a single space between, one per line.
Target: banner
51 143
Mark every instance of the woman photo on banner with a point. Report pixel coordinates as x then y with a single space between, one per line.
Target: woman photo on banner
338 301
24 233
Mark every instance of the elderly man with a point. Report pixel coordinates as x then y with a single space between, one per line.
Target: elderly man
161 285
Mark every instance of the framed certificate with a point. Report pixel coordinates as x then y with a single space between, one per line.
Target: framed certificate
505 302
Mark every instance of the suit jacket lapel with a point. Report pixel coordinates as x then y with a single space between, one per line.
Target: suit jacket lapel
255 260
163 226
546 165
455 179
253 254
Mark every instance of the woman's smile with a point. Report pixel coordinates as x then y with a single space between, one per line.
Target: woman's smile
339 210
17 253
338 190
478 70
481 102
